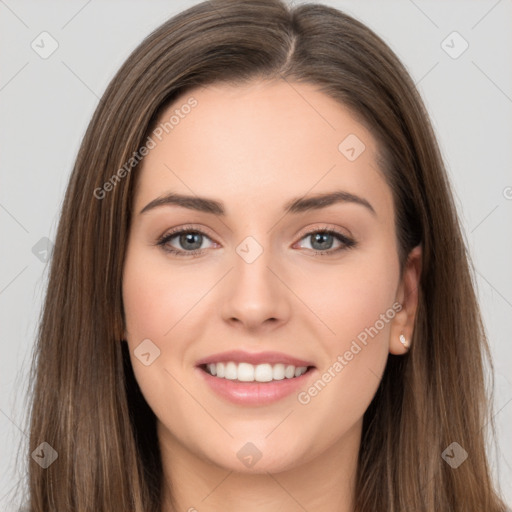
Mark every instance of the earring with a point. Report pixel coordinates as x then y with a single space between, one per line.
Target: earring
403 341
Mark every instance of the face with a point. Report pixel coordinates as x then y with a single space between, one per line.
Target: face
251 279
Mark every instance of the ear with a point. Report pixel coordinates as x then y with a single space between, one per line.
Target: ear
407 295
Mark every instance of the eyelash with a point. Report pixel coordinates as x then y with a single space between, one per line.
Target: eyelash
347 243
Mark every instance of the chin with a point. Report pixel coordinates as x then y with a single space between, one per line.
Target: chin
258 456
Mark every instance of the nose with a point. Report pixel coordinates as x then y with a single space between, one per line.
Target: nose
256 297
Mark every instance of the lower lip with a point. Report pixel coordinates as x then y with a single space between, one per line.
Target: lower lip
254 393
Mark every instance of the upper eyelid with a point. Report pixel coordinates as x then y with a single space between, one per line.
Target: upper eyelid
185 229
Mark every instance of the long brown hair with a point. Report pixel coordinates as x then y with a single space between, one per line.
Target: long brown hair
86 403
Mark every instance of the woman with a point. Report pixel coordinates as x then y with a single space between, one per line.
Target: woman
261 368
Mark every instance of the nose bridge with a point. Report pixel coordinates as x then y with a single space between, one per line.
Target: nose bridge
255 293
252 275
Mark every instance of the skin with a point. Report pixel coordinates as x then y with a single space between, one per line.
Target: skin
255 147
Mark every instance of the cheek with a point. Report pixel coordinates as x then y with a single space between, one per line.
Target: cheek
154 303
154 296
161 302
353 297
355 304
144 304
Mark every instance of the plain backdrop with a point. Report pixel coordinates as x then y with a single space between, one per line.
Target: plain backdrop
46 104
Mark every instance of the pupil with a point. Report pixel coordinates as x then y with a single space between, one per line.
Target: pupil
189 238
320 237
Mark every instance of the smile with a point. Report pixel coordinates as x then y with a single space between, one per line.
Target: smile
254 379
247 372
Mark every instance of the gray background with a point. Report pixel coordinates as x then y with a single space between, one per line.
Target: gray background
45 105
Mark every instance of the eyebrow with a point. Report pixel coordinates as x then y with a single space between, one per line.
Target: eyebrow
297 205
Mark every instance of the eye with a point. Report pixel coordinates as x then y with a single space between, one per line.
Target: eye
322 241
190 241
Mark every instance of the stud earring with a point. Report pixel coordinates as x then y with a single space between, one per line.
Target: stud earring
403 341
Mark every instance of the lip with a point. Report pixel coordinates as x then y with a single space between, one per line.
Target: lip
240 356
255 393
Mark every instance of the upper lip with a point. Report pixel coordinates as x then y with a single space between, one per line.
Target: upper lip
239 356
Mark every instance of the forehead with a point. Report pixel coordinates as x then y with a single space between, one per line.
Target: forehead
259 143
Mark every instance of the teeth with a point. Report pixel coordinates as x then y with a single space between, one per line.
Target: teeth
246 372
289 372
230 371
